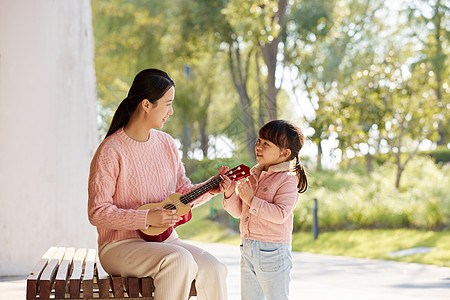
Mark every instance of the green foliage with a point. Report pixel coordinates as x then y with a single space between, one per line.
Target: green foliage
350 199
440 154
201 170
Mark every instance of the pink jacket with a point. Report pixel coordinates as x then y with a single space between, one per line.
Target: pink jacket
270 216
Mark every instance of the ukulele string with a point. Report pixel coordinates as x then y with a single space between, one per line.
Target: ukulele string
197 192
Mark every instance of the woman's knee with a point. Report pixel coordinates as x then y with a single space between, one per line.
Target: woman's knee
182 260
214 271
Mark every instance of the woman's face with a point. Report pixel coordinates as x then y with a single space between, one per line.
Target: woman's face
162 109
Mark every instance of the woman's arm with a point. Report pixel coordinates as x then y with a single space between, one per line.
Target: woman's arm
102 211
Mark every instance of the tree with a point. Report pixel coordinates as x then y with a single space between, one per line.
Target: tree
334 46
429 20
127 38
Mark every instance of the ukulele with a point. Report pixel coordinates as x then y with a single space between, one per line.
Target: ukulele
181 203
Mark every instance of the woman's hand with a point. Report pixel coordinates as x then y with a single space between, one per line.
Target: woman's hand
160 217
245 191
224 184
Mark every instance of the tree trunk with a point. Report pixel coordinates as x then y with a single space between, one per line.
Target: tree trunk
204 140
270 52
240 83
260 92
400 169
438 71
319 156
369 163
186 139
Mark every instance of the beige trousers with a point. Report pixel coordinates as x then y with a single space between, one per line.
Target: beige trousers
173 265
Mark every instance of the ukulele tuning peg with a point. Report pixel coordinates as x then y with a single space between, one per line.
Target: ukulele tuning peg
243 173
238 168
234 176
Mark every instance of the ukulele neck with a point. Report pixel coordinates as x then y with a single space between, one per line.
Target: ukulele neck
192 195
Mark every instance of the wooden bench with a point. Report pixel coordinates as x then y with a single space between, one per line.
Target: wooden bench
65 273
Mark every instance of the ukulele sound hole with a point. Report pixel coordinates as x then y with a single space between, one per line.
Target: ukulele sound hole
170 207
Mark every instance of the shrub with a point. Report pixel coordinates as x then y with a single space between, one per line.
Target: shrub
349 199
440 154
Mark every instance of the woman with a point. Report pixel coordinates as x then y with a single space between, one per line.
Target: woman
137 164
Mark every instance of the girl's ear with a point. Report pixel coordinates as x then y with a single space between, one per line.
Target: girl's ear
286 153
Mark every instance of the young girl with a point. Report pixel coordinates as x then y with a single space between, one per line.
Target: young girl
138 164
265 204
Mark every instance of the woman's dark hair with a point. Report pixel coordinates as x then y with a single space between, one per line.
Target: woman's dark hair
150 84
286 135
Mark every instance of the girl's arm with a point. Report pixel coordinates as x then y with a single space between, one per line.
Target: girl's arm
284 202
232 203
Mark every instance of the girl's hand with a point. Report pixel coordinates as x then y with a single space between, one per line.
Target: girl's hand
224 184
245 191
230 191
160 217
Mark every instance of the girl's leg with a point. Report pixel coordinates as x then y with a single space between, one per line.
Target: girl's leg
211 278
250 287
172 267
273 269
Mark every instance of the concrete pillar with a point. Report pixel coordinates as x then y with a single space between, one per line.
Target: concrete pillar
48 128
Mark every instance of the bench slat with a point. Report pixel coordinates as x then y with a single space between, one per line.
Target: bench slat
88 278
133 287
117 284
147 287
36 272
77 271
102 280
49 273
63 273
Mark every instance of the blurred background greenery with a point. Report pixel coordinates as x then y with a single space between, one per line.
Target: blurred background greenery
367 80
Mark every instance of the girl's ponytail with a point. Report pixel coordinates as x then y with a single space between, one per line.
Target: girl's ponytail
302 179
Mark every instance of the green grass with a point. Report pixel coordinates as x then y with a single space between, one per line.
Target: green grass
378 243
372 244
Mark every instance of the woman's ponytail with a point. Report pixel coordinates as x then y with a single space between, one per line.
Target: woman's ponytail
302 179
121 117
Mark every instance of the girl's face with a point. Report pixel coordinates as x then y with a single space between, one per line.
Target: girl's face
162 109
269 154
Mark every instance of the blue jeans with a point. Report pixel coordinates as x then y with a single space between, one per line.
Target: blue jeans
265 270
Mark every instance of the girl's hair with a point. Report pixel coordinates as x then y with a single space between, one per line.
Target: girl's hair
150 84
286 135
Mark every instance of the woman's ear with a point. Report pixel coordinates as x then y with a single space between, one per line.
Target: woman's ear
146 105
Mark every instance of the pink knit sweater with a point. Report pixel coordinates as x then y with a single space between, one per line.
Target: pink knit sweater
126 174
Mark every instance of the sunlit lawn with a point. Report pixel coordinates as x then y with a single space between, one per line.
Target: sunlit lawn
378 243
373 244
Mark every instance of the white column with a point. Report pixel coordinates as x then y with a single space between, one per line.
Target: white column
48 130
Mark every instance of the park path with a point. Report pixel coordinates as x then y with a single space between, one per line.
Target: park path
322 277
